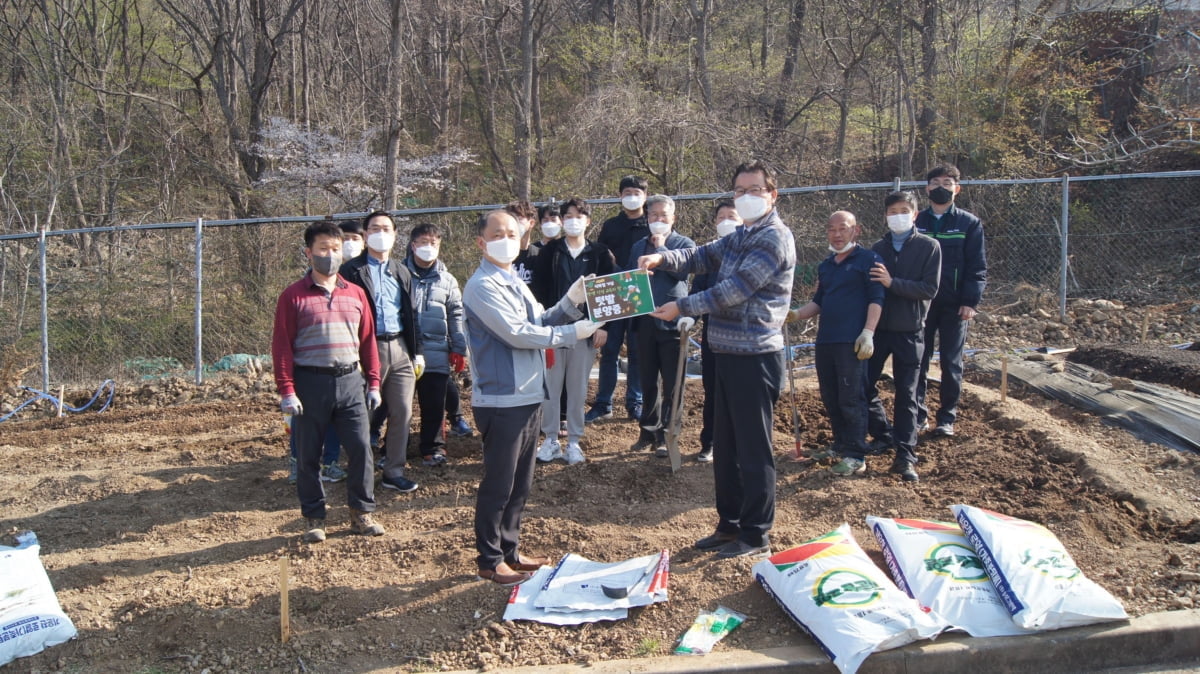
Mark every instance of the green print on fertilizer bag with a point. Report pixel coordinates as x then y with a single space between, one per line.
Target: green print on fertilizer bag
1054 563
845 588
956 561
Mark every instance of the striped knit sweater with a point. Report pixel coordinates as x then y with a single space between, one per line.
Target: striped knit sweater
749 299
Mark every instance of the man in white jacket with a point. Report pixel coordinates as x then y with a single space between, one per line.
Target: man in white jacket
508 333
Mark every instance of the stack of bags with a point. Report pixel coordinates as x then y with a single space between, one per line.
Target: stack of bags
578 590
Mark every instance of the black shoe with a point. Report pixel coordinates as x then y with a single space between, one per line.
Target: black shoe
705 455
740 548
880 446
905 470
645 441
401 484
715 540
943 431
635 411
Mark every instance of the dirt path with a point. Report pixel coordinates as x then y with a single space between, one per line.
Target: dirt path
162 530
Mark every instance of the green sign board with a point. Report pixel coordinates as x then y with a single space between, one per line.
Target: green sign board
619 295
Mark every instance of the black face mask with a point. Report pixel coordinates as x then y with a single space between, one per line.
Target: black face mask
327 265
941 196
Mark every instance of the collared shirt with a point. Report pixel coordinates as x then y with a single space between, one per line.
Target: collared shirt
387 298
320 328
844 291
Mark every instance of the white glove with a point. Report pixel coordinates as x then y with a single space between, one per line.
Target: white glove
585 328
291 405
864 346
575 293
418 366
374 400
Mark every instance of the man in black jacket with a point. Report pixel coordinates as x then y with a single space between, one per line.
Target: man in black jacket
909 273
618 233
388 286
964 276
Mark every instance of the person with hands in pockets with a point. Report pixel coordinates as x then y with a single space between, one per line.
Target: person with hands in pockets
508 332
324 357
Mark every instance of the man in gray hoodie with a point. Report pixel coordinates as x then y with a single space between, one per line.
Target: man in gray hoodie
508 332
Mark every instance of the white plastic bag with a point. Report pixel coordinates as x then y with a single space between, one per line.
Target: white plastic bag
1034 575
935 564
846 604
31 618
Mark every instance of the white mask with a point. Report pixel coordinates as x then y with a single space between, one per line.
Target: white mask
750 207
551 229
381 242
632 202
574 226
844 249
659 228
900 223
727 227
503 250
351 249
426 253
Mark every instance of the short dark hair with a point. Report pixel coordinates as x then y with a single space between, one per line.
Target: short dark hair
374 214
425 228
633 181
321 228
548 211
722 203
350 227
521 209
949 170
579 205
754 167
481 222
902 195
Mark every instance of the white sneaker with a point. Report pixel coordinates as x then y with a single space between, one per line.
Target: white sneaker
574 454
549 451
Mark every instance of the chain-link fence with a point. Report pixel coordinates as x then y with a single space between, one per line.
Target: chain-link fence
121 303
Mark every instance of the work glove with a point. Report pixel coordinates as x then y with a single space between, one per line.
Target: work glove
418 366
585 328
458 362
374 400
290 404
864 346
575 293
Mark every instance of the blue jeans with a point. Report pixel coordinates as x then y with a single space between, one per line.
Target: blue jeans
619 332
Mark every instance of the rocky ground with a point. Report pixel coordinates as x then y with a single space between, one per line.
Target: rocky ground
163 521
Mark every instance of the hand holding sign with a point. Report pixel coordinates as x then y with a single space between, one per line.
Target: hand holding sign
621 295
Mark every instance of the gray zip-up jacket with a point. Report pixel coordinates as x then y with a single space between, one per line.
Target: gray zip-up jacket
437 303
508 332
915 272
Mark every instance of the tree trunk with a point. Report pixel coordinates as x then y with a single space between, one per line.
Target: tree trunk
522 106
394 107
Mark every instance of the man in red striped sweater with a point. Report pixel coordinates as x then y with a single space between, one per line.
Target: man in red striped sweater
322 348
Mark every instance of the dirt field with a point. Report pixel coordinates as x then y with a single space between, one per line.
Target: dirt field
162 530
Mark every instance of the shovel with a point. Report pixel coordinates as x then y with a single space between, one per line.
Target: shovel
623 592
675 425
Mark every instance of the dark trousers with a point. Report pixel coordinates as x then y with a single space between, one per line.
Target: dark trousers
842 378
707 379
619 332
951 332
432 398
338 402
904 348
747 388
453 402
510 436
658 360
331 452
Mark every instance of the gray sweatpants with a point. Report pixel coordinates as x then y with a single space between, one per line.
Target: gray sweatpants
572 367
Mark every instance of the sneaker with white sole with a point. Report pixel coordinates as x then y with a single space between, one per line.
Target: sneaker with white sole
549 451
331 472
849 466
574 454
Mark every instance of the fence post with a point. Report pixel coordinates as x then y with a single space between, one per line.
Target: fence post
1065 239
45 306
199 301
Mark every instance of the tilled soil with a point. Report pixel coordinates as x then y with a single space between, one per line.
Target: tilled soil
1155 363
162 531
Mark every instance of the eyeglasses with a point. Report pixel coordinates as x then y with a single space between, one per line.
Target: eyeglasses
757 191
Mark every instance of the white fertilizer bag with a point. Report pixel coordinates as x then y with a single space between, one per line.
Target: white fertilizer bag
30 616
1034 575
933 562
846 604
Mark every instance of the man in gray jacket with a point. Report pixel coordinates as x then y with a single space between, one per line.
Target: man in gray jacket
438 305
911 269
508 333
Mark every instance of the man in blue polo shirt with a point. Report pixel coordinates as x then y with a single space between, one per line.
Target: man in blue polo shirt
849 302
